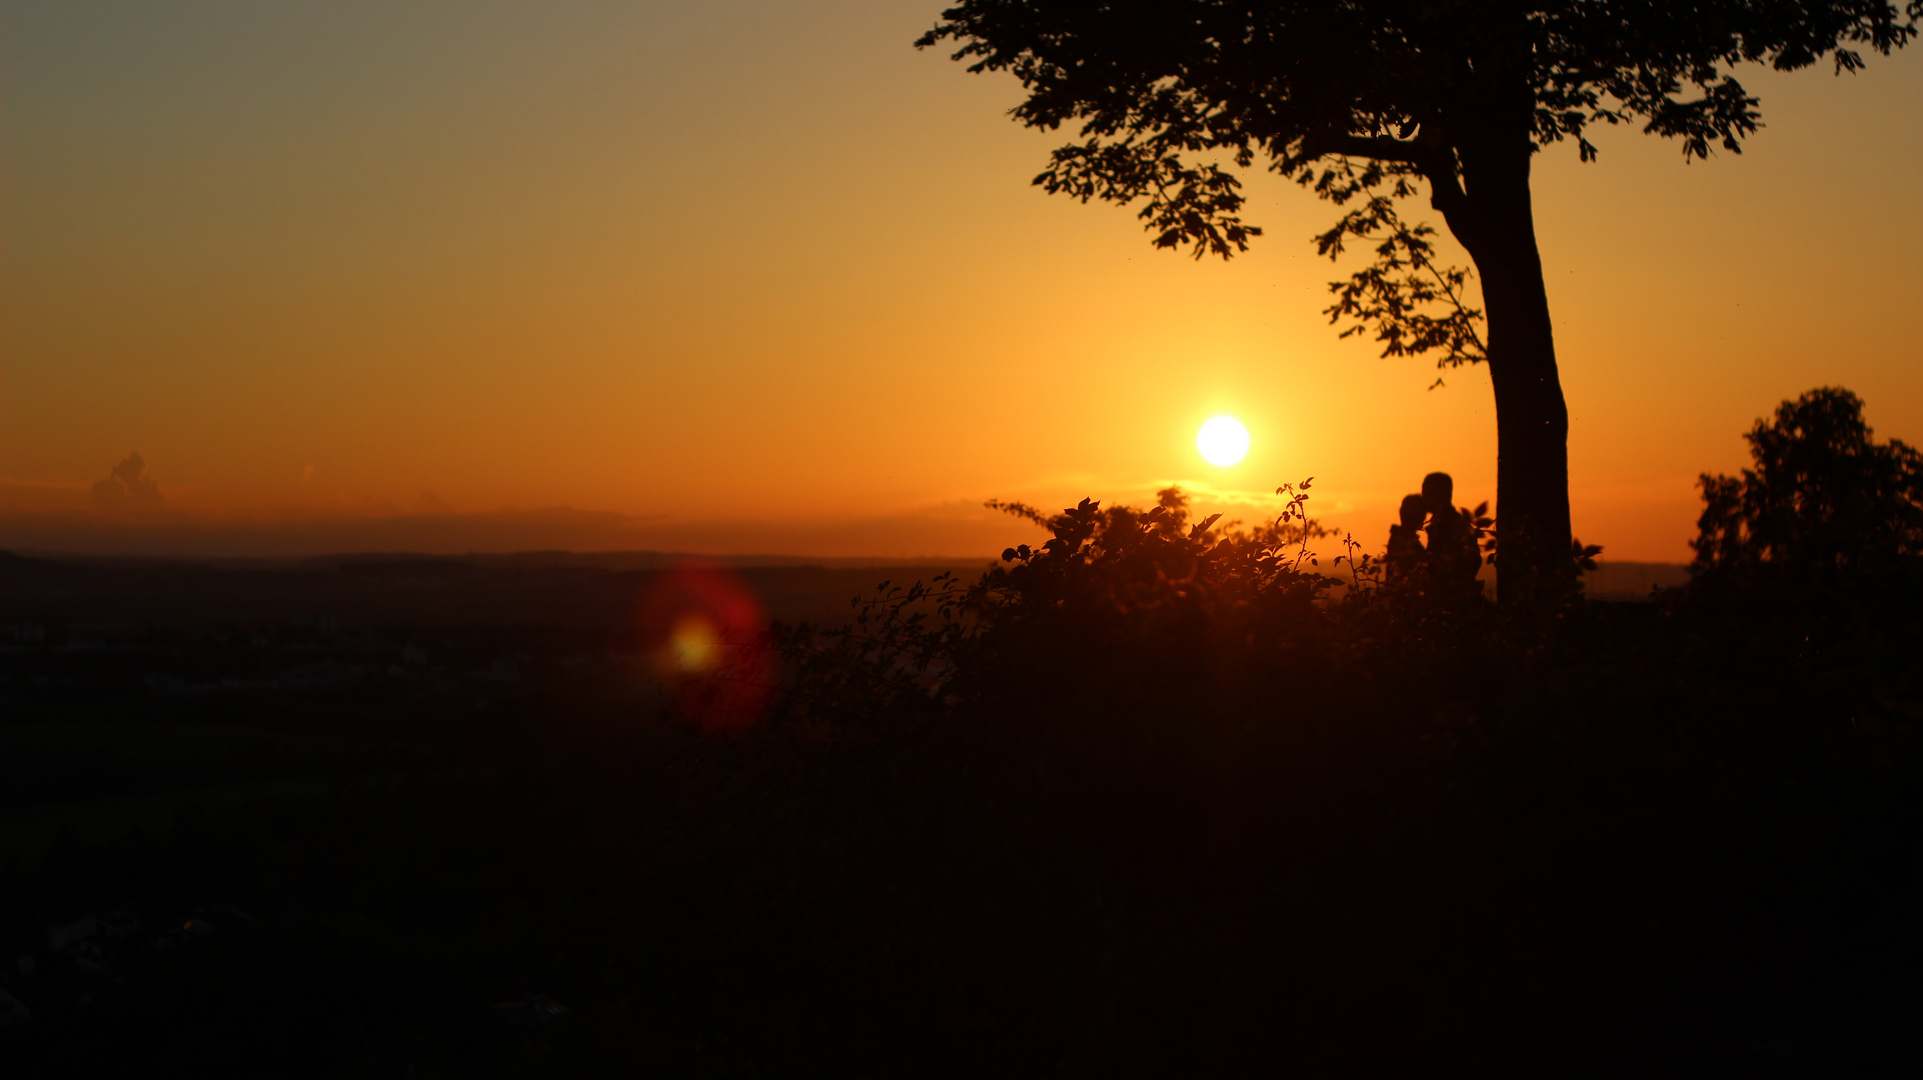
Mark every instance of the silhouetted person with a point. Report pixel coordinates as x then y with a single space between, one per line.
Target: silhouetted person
1405 555
1453 557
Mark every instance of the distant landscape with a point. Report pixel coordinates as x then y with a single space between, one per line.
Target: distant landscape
69 594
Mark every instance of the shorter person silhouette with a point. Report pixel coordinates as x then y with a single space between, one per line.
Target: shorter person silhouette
1452 555
1405 556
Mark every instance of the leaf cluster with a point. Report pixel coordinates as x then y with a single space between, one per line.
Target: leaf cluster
1414 305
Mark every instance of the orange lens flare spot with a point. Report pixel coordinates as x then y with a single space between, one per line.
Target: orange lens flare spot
694 648
701 630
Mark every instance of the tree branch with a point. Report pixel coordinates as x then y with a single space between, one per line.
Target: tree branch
1434 160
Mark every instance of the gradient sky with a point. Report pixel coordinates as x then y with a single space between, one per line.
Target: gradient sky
750 275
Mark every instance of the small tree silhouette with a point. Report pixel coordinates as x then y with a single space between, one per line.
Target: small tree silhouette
1823 497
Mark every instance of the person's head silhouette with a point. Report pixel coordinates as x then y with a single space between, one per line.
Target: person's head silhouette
1414 509
1438 492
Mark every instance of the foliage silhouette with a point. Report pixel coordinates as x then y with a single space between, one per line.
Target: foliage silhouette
1158 797
1814 556
1363 102
1823 497
1135 606
1120 598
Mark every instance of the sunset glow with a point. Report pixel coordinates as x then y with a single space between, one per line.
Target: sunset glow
348 278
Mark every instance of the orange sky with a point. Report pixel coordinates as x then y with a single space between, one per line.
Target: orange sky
755 275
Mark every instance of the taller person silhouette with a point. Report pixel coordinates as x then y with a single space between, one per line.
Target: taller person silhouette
1452 556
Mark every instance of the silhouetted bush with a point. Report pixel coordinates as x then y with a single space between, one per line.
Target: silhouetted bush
1124 604
1137 608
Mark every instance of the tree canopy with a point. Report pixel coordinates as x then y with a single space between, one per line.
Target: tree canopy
1823 495
1414 85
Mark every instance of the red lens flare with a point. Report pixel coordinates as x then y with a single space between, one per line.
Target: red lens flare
701 629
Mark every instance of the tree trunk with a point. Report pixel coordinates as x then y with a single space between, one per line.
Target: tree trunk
1497 226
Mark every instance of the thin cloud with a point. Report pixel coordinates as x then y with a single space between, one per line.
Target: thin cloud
127 487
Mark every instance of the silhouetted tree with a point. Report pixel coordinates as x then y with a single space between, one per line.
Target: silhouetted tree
1363 101
1823 496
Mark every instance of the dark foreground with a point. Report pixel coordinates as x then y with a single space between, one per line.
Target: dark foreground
1648 847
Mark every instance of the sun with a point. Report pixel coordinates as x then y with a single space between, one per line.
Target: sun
1223 441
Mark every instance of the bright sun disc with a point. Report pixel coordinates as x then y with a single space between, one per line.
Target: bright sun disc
1223 441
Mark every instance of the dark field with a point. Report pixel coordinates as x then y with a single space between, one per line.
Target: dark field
400 817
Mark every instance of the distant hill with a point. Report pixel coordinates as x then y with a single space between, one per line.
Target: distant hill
1617 580
664 560
1632 580
540 588
553 589
524 560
